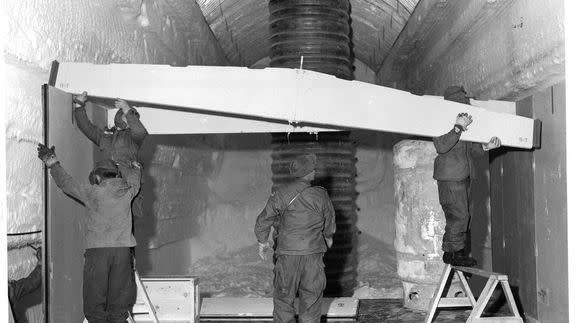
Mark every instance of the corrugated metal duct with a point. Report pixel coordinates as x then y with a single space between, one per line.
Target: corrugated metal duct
319 31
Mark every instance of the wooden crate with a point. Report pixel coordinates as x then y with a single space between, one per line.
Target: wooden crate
175 298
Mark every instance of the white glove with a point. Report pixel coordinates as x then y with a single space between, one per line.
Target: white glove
492 144
136 164
329 242
463 120
263 248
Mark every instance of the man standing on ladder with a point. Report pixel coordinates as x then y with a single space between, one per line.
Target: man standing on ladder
121 143
453 169
304 219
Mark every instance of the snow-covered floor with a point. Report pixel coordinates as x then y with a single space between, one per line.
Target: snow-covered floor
242 273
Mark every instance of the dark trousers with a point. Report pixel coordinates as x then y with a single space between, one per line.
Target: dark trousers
298 274
455 198
109 284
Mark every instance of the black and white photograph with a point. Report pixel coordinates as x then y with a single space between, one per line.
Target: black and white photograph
358 161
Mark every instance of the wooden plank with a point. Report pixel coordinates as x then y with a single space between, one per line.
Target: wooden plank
481 272
241 307
469 301
143 294
483 300
510 298
437 295
263 307
466 288
296 96
552 207
498 320
454 302
514 218
174 298
64 238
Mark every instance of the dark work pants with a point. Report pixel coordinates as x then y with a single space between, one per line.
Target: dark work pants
455 198
303 274
109 284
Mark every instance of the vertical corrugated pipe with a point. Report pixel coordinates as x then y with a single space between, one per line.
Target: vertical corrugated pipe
319 31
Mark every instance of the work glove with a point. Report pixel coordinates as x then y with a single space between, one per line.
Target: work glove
492 144
329 242
263 249
47 155
121 104
463 120
136 164
80 100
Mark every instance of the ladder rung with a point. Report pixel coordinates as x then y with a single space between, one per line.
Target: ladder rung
482 273
140 308
454 302
498 319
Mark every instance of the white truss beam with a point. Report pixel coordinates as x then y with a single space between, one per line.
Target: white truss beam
280 96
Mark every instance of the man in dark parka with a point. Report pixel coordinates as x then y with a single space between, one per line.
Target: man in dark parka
121 143
109 286
305 222
453 169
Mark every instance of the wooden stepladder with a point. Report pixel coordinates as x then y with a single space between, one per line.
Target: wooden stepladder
142 291
478 305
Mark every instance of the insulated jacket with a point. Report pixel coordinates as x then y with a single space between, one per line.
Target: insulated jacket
119 145
109 222
305 224
454 161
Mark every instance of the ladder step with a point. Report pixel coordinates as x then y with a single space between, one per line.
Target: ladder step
480 272
454 302
493 279
499 319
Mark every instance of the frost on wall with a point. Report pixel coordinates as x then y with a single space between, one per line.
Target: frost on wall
508 53
108 31
24 176
208 188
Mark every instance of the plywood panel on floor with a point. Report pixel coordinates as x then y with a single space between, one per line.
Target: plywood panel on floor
263 307
173 297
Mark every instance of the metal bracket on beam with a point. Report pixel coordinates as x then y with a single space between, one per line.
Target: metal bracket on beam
537 126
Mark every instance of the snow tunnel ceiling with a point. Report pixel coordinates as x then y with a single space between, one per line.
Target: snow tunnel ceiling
241 28
497 49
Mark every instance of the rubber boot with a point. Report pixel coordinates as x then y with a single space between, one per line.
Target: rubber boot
447 257
460 258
